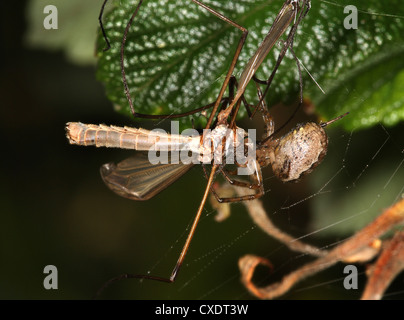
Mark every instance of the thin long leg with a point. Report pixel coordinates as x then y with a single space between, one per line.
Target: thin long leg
281 23
244 184
258 185
241 198
178 115
267 118
226 101
183 251
125 83
287 45
229 73
102 26
194 224
233 62
232 85
238 183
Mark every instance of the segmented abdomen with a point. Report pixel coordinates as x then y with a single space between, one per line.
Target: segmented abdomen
126 138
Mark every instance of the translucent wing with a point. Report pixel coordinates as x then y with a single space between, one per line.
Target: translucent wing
137 179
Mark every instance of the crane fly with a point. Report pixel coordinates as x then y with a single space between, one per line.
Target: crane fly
136 178
139 177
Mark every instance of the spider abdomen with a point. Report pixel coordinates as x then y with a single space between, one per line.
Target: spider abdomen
299 151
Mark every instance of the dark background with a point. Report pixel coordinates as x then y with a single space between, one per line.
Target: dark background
57 211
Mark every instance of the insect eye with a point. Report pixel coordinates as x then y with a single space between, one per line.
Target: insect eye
298 152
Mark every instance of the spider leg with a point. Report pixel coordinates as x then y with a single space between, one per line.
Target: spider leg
257 185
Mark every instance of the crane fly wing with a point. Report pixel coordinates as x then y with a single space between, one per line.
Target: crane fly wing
137 179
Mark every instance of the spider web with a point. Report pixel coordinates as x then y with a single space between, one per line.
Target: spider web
353 186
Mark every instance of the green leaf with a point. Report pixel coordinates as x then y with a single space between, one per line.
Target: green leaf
361 70
177 55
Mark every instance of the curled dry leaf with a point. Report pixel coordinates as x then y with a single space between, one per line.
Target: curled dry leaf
389 264
362 245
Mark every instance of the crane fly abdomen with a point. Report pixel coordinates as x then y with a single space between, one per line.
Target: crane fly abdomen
102 136
128 138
